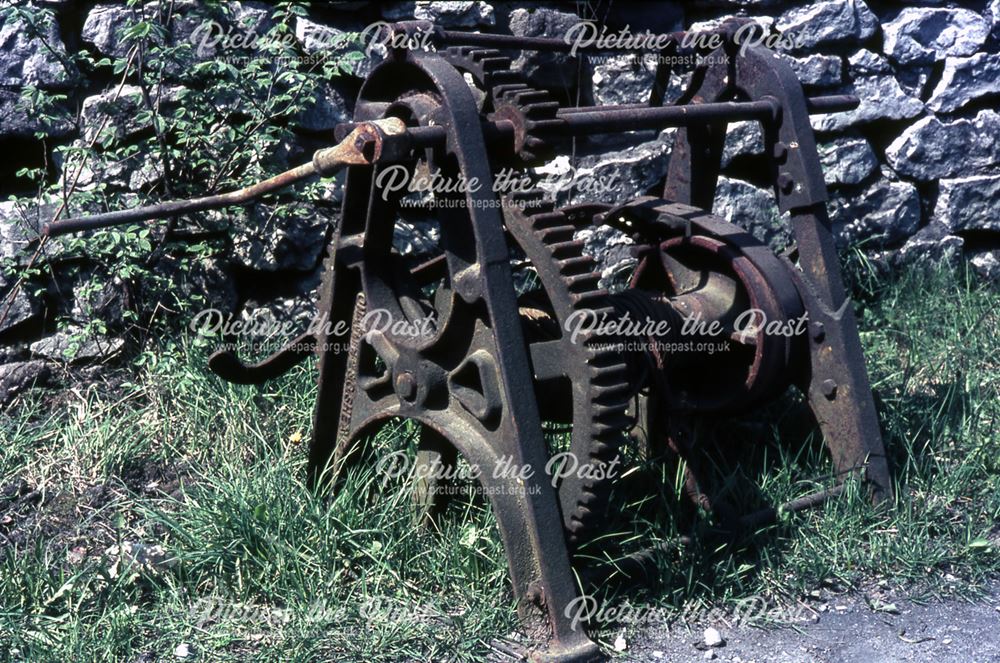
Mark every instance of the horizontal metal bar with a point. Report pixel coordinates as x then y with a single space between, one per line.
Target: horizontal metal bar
363 145
582 120
173 207
758 519
633 117
834 103
576 121
643 562
610 119
552 44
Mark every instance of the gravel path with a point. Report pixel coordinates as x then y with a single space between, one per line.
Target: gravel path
848 631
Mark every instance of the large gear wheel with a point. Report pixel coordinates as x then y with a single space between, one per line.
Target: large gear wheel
595 373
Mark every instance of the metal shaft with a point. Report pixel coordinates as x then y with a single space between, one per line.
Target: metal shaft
582 120
551 44
365 145
370 141
593 120
172 207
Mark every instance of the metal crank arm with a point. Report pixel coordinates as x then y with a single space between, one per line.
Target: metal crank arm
230 368
368 143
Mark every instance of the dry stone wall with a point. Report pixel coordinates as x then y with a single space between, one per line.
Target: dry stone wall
913 173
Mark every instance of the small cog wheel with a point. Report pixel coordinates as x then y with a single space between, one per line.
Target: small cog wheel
529 110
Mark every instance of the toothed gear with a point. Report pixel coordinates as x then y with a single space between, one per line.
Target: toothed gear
532 112
490 70
596 371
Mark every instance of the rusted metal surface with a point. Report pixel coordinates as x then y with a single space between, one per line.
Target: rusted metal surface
366 143
496 363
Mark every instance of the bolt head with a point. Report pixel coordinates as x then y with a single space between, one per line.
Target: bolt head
406 386
829 388
780 152
786 182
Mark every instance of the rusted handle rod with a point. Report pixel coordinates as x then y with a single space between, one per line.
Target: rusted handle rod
178 206
642 563
365 145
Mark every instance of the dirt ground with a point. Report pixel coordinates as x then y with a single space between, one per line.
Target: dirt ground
847 631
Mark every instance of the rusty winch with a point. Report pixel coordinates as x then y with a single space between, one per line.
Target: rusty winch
521 333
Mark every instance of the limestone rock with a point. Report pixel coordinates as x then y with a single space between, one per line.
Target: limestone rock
987 265
348 36
416 237
766 22
329 107
16 119
272 239
628 79
200 25
355 50
74 345
754 209
115 113
16 307
881 97
964 80
623 79
612 249
16 377
27 59
557 70
615 176
712 638
317 37
453 14
817 70
863 61
269 324
743 138
741 4
99 298
822 23
847 160
924 34
914 79
969 203
931 245
20 223
135 172
103 27
931 149
885 213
